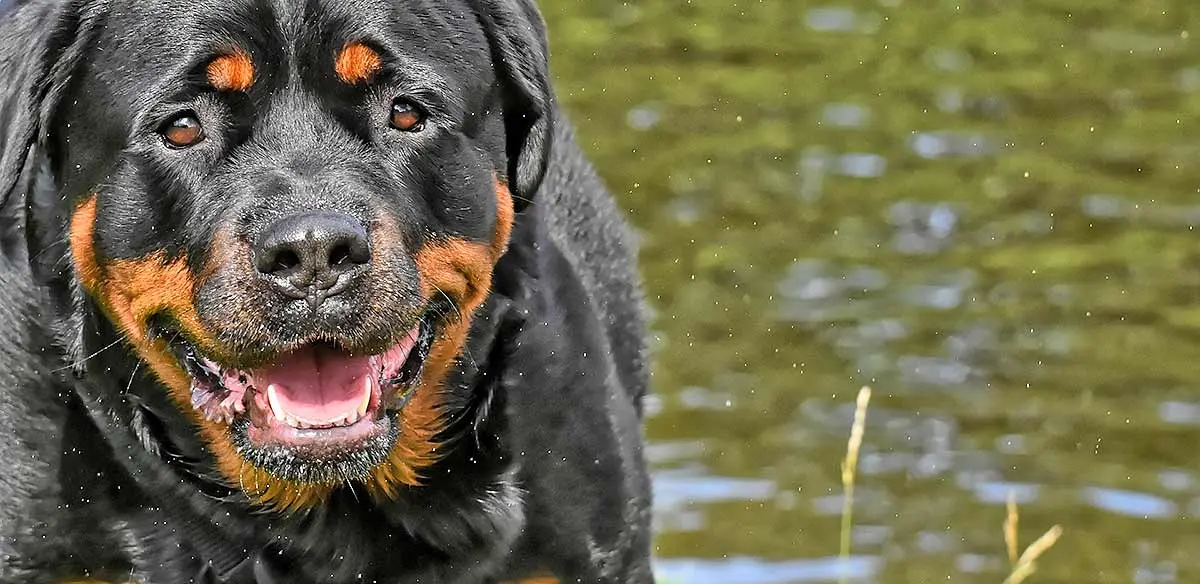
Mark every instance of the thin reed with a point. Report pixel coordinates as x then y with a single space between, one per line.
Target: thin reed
849 469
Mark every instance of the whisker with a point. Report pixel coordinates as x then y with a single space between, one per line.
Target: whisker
349 485
129 385
80 362
52 245
449 301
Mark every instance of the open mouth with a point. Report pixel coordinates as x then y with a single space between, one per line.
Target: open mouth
315 401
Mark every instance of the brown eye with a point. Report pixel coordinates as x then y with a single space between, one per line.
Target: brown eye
183 131
406 117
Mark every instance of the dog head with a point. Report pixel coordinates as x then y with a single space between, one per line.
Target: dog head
287 211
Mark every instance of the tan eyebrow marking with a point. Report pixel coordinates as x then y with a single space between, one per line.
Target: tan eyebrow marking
356 63
231 72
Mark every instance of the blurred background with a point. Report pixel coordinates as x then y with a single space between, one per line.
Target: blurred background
987 210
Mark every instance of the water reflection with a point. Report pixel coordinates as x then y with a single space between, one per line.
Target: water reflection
749 570
987 212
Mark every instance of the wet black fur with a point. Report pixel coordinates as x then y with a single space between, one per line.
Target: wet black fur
102 477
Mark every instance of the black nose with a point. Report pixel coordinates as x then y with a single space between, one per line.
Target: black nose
313 255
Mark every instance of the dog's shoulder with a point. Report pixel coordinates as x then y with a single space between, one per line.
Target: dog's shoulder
583 219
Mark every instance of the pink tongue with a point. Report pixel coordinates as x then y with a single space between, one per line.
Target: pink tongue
320 385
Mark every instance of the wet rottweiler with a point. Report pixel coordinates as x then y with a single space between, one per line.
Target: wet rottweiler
308 291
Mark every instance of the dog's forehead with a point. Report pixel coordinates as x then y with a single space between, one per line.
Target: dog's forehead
298 32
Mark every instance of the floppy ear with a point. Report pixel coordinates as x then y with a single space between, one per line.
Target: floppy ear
39 49
517 36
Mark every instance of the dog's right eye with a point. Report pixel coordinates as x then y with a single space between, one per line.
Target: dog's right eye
183 131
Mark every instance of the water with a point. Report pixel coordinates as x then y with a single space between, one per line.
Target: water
985 210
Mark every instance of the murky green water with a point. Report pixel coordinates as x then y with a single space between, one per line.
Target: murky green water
986 210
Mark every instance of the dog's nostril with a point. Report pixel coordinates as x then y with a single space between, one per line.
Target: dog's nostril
285 260
339 255
349 252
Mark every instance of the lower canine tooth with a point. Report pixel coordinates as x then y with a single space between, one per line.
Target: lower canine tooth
362 407
276 409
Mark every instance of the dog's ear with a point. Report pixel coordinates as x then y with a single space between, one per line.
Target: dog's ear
517 36
40 48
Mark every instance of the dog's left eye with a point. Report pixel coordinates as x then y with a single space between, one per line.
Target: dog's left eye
406 116
183 131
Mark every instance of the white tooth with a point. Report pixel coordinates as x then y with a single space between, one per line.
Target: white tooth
366 403
276 409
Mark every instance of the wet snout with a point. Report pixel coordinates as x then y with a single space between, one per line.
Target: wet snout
313 255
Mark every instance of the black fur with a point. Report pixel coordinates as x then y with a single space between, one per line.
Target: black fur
541 468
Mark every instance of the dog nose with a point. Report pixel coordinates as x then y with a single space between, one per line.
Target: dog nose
312 255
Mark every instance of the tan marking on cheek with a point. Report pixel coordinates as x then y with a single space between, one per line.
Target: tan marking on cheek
131 291
232 72
357 63
463 269
457 268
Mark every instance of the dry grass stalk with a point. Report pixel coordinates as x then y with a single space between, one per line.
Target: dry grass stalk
849 468
1025 565
1011 518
